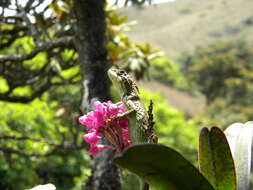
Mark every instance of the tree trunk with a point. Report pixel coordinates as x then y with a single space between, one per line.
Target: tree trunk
91 27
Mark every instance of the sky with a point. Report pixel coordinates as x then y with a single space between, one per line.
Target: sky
121 2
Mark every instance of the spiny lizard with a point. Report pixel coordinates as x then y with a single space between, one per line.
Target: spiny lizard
141 122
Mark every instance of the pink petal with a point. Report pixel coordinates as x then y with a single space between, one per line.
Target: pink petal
91 138
87 119
96 148
121 107
93 150
99 107
126 138
123 123
99 119
102 147
92 119
112 109
82 119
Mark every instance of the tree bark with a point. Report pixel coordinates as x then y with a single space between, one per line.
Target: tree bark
91 27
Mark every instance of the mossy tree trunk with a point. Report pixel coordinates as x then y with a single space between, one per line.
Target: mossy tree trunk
90 30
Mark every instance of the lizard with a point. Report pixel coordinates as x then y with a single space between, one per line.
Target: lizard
141 122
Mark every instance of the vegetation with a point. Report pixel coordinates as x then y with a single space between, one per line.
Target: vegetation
41 83
223 72
41 140
172 127
168 72
223 69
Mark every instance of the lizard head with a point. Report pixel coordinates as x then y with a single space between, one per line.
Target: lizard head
121 80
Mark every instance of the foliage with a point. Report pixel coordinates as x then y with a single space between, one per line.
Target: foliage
223 69
25 64
215 159
122 52
166 71
219 112
162 167
223 72
221 162
37 140
130 181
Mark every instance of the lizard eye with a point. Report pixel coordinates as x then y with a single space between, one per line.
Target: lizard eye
121 72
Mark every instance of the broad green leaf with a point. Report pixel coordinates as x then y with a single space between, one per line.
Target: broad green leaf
215 159
239 136
162 167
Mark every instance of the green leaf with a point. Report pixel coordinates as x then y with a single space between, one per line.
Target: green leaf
239 136
215 159
162 167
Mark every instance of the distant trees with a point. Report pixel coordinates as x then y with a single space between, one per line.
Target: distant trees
223 69
223 72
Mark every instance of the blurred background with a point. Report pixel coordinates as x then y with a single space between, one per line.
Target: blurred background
194 59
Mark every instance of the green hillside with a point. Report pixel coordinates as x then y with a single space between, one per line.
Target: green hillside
185 24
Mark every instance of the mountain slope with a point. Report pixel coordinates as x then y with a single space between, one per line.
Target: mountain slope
190 105
185 24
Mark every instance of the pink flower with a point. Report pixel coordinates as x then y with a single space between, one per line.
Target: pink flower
92 137
103 122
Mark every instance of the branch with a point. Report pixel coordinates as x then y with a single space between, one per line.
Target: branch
4 3
52 152
11 19
25 99
44 47
11 150
28 5
9 36
32 28
13 137
14 31
32 78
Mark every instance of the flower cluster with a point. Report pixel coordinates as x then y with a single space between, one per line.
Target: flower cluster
103 122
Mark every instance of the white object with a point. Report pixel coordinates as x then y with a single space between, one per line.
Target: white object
44 187
239 138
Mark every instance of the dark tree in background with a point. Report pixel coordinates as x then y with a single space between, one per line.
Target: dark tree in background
91 28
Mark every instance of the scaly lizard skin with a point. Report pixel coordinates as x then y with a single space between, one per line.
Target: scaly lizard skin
140 129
